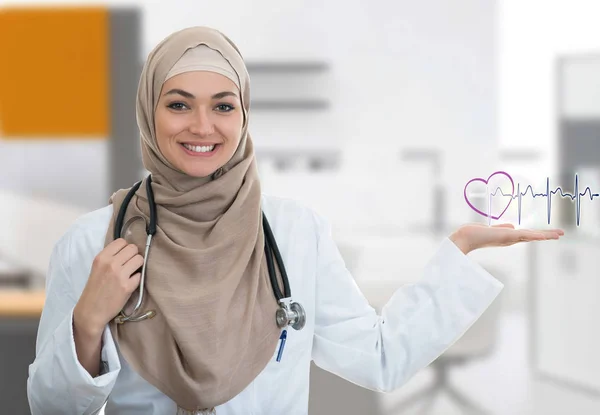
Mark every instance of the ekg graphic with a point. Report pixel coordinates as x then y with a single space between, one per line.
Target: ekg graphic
576 196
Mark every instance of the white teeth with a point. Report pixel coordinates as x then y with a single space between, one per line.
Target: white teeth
200 149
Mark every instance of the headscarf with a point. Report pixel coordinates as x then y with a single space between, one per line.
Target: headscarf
215 328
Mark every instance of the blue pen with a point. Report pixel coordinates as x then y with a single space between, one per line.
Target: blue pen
282 338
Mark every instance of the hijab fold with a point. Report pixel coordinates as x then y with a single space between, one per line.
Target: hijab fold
215 328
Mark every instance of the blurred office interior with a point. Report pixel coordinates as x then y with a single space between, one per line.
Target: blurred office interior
375 114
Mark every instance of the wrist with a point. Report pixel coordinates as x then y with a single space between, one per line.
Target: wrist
461 242
85 326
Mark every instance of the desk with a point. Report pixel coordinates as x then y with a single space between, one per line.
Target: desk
21 303
20 311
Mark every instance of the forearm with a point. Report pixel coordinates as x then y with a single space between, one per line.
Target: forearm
417 324
64 377
57 371
88 345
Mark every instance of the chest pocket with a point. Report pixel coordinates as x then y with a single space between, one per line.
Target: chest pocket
296 348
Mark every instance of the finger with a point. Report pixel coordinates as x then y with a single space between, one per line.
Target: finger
550 234
134 264
134 282
126 254
503 236
550 231
526 235
547 232
115 246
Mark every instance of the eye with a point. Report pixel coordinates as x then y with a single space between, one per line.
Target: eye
225 107
177 106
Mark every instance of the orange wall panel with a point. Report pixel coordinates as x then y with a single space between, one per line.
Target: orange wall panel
54 72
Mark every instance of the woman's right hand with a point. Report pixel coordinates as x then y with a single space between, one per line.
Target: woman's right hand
111 283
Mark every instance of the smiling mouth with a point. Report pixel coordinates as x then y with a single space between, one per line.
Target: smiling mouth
200 149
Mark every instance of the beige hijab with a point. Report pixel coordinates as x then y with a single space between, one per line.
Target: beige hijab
215 328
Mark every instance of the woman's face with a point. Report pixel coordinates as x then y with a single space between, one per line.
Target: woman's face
198 121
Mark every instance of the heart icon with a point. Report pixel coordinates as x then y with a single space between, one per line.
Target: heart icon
486 182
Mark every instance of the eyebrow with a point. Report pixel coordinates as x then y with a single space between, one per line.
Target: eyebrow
191 96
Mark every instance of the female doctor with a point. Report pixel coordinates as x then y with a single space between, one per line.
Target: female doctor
240 290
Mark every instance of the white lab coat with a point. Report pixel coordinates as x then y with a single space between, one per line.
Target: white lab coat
343 333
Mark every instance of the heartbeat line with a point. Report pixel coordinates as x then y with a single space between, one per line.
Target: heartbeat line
576 196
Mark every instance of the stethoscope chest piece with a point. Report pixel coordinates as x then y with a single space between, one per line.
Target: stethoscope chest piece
293 315
289 313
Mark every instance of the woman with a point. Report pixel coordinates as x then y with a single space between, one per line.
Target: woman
208 339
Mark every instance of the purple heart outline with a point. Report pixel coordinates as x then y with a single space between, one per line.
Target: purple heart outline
478 179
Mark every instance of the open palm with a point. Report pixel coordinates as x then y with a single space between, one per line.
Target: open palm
476 235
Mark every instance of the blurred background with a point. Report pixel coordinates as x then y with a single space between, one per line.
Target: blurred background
376 114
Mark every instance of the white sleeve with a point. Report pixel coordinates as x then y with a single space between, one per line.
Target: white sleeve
420 321
57 382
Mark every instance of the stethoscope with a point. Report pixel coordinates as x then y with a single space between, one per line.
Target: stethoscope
289 313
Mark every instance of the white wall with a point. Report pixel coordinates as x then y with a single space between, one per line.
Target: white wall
532 34
46 169
407 74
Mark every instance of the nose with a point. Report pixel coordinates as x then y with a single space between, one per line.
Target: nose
202 124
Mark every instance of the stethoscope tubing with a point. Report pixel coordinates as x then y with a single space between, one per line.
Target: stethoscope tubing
290 313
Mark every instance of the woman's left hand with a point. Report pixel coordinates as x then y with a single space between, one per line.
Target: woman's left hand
476 235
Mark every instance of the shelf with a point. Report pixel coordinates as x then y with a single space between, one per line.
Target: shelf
300 105
520 155
298 152
287 67
21 303
313 159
